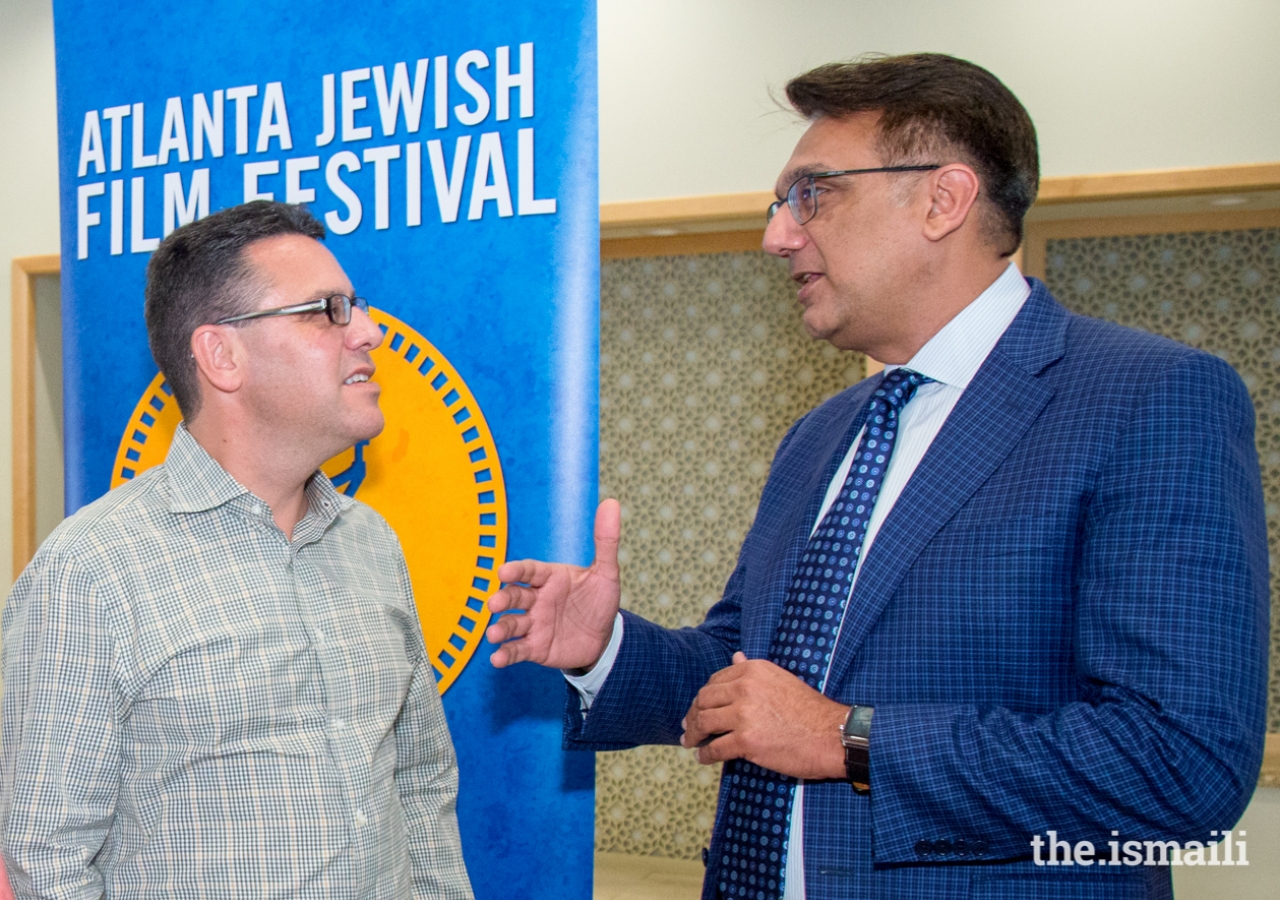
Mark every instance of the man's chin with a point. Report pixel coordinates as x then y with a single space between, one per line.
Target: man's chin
356 432
815 327
374 428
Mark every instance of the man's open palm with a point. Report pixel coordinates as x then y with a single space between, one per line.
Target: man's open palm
567 612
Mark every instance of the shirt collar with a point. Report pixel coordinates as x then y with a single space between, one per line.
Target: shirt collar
954 355
198 484
196 481
324 503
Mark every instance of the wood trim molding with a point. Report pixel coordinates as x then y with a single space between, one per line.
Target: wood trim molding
681 244
24 272
712 212
1270 776
1159 183
745 211
1038 234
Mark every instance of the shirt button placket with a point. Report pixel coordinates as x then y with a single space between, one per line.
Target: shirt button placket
343 741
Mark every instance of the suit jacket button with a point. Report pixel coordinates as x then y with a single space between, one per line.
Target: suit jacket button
979 848
942 846
960 847
924 848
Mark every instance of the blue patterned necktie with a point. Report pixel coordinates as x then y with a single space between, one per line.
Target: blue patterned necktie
754 849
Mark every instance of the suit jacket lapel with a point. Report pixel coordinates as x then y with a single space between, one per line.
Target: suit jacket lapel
845 416
996 409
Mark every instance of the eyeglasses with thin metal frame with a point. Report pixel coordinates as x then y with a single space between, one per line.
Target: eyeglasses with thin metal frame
337 308
802 196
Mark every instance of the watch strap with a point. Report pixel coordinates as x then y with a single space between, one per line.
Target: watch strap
857 767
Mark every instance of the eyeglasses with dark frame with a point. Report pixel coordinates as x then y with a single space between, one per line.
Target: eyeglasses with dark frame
802 196
337 308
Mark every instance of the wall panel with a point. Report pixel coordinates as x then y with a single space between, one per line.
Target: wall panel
703 368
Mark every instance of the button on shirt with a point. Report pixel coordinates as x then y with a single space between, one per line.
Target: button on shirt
195 705
951 358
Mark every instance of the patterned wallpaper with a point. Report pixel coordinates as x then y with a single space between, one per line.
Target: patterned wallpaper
1216 290
703 368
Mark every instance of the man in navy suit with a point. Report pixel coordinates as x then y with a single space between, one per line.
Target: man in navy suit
1013 592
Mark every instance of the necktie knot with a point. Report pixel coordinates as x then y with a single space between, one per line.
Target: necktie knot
898 387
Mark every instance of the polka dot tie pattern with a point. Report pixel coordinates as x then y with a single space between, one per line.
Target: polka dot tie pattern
754 847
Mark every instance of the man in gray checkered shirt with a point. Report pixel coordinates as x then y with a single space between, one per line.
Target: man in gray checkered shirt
214 677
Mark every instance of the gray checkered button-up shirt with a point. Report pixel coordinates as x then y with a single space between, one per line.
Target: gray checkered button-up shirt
195 706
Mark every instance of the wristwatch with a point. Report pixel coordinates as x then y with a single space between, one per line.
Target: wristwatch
855 734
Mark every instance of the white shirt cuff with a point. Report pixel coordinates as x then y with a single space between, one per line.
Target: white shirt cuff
589 685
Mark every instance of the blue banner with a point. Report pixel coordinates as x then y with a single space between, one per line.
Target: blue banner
451 151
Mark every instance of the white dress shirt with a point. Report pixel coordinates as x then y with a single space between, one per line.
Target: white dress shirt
951 358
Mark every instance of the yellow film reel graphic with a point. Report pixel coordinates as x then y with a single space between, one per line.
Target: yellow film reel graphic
433 474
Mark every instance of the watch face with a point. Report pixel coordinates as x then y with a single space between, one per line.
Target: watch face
858 724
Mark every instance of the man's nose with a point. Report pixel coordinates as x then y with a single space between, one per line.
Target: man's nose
782 235
362 331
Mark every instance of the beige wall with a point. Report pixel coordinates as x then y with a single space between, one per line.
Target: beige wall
28 191
1112 86
1258 880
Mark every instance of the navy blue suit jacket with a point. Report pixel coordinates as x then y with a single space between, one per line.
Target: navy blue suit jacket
1062 623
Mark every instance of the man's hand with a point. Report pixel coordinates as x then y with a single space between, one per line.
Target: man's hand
568 610
762 713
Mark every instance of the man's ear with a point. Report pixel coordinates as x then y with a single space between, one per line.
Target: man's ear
219 356
955 190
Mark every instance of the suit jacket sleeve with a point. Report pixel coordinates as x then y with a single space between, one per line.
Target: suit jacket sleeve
1169 644
654 679
658 671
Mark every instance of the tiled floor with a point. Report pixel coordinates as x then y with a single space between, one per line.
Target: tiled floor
622 877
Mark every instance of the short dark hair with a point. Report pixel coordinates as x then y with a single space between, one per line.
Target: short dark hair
931 103
199 275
